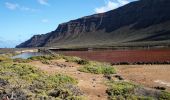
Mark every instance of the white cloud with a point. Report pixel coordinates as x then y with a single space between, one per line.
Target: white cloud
123 2
11 6
45 20
15 6
28 9
43 2
110 5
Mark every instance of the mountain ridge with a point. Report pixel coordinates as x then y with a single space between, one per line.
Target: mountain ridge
127 25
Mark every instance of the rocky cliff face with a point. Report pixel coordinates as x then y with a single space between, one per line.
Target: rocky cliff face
132 23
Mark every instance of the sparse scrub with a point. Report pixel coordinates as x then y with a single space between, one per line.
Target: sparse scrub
27 82
46 57
20 60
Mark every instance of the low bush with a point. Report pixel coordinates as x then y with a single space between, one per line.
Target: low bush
120 88
71 58
76 60
82 62
124 91
65 94
97 68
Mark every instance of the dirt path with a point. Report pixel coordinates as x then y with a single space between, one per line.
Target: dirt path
147 75
90 84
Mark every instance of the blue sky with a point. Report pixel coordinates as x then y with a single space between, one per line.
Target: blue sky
21 19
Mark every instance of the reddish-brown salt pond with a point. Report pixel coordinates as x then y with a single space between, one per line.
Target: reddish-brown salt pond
115 56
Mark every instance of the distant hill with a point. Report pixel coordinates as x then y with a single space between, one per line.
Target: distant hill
143 22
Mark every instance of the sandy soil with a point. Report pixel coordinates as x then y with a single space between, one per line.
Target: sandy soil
90 84
147 75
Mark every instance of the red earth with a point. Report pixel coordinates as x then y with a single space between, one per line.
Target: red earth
115 56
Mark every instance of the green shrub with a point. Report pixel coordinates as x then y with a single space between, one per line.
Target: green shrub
98 68
82 62
120 88
124 91
71 58
65 94
76 60
62 79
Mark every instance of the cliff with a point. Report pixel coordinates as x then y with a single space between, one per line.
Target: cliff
137 23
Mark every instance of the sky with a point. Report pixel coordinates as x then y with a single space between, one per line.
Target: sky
21 19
